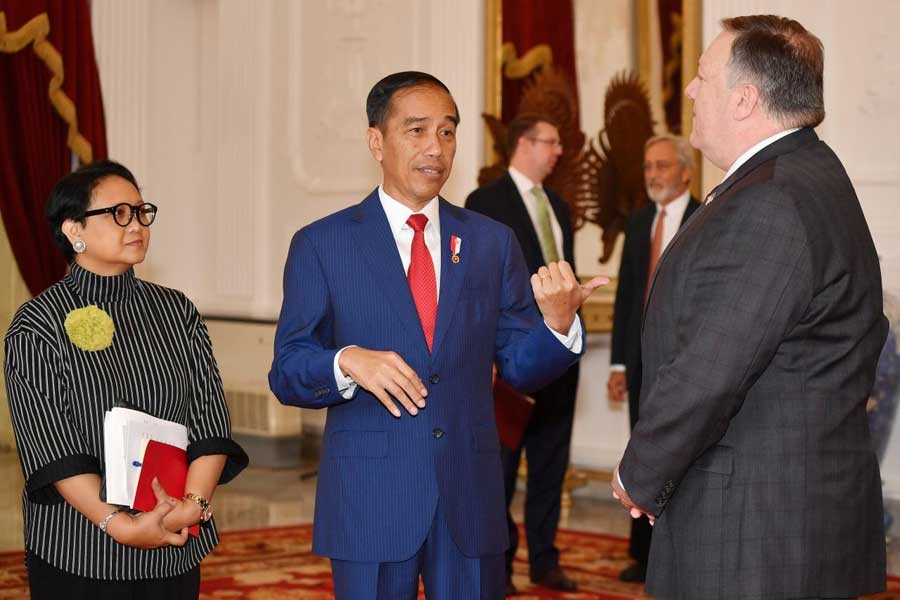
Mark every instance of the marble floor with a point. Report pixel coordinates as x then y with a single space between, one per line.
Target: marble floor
263 497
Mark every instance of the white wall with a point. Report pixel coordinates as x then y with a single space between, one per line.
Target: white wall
245 120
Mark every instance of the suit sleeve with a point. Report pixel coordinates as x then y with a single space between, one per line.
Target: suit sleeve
624 304
528 355
745 288
302 371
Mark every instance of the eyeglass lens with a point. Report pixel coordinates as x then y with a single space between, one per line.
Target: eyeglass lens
123 214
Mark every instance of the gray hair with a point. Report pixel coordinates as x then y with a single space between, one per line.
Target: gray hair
682 148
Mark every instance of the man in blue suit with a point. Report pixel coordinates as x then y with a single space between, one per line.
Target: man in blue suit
401 304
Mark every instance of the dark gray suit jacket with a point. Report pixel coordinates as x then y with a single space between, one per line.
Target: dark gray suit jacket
760 341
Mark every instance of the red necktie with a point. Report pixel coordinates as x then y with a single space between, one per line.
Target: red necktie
655 250
422 282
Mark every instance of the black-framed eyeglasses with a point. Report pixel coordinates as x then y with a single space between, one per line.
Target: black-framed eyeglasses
552 142
123 213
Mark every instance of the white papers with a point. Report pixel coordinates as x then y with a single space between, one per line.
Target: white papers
125 434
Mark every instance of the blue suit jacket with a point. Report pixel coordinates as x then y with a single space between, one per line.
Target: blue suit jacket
381 477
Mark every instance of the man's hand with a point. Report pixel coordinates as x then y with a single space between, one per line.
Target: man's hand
625 500
615 386
385 374
559 295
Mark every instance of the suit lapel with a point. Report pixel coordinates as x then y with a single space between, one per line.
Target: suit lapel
561 210
520 221
643 248
453 223
692 207
375 240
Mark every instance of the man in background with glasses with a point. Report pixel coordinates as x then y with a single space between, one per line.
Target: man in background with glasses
540 219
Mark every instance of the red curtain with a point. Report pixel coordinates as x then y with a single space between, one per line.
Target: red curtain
36 140
529 23
671 42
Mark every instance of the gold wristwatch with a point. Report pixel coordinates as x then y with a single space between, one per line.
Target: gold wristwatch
205 507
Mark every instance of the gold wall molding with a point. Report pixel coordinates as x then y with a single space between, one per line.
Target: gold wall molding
519 68
14 293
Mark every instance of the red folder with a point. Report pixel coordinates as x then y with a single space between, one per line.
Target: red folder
513 413
169 465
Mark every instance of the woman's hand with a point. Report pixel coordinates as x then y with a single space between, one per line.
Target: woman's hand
184 514
148 530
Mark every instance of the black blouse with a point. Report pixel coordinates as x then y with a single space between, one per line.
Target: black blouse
160 360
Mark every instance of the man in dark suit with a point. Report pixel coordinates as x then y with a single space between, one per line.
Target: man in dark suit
402 289
761 335
540 219
668 169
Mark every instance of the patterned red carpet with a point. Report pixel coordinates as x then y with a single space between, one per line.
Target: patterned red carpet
270 564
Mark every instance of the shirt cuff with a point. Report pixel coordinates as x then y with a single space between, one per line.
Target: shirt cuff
572 340
346 387
616 368
236 461
39 486
619 479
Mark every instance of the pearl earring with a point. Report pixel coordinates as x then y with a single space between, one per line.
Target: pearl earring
79 246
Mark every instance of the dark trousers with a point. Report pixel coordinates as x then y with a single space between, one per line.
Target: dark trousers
546 444
641 530
49 583
446 573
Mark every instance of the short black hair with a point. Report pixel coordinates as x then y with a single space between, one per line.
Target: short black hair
378 102
71 197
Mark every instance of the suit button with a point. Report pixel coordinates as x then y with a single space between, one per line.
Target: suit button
438 433
435 379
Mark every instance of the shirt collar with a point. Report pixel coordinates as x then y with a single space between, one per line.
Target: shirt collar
101 288
397 213
523 184
679 204
756 148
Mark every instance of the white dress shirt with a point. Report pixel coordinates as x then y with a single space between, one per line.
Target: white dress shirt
525 187
397 214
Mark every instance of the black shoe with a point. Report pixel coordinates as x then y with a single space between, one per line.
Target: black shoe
511 588
555 579
636 573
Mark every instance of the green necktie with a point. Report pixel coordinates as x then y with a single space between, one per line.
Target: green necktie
545 227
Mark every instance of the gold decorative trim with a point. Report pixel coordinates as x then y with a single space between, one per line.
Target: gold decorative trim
691 11
518 68
644 41
493 74
676 45
35 32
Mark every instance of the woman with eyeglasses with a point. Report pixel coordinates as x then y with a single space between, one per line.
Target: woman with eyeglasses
96 338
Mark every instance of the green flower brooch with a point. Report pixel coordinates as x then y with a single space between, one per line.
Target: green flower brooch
90 328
